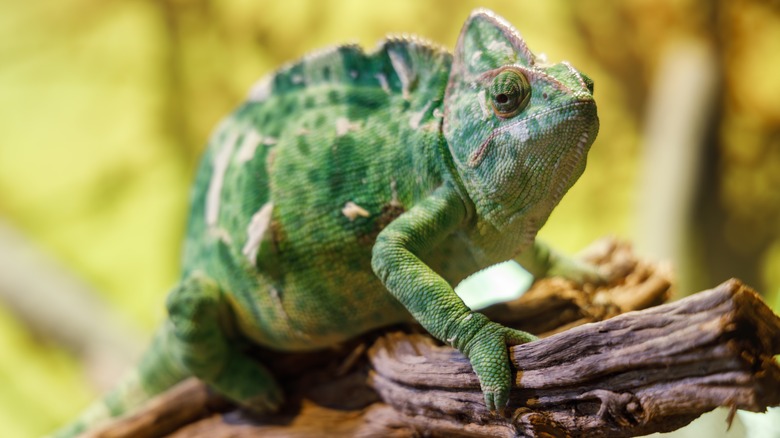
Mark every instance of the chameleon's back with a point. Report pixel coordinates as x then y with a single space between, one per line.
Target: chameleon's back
302 177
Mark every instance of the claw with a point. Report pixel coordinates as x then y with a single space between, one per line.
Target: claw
266 403
489 358
489 402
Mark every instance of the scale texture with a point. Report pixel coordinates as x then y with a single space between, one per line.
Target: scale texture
354 190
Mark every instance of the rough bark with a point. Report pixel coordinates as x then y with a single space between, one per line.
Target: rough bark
633 374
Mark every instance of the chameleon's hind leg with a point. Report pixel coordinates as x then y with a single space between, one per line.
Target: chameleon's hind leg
196 311
542 261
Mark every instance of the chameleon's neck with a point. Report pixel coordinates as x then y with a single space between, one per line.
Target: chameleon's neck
498 245
492 243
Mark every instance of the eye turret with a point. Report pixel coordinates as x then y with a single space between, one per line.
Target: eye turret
509 93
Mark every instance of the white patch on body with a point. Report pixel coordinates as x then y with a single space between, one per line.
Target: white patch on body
261 89
521 132
247 149
416 118
403 72
483 105
352 211
269 160
221 162
220 234
501 48
394 201
277 300
251 141
343 126
476 55
256 231
383 82
278 303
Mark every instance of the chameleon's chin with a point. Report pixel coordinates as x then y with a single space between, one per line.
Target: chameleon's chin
570 168
574 150
557 176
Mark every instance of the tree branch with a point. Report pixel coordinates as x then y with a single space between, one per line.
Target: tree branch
641 372
638 373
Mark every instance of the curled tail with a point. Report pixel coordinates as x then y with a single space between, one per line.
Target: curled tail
156 372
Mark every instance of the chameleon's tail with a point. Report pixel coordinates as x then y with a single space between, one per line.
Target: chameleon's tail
156 372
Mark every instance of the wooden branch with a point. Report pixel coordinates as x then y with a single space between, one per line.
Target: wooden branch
180 405
638 373
554 304
642 372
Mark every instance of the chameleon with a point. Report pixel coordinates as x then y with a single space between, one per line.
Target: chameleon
354 190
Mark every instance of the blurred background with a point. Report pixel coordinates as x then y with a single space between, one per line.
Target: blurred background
105 108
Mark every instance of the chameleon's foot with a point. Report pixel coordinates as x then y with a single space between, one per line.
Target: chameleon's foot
543 261
249 384
199 343
577 271
487 351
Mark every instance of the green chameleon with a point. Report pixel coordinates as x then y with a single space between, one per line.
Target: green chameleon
353 191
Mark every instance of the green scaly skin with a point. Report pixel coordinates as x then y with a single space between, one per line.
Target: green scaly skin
354 191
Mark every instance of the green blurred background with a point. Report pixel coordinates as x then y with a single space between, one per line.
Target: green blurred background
105 107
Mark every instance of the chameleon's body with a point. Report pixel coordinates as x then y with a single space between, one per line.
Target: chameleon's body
353 191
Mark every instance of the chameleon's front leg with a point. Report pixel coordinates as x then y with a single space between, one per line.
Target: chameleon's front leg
199 342
433 302
541 260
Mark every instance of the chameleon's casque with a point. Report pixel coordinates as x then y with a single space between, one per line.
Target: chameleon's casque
354 190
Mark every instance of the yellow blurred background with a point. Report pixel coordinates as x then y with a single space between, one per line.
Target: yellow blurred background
105 107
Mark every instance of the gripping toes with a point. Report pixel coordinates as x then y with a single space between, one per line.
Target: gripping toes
490 360
250 384
266 396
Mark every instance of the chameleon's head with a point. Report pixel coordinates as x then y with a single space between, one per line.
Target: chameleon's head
519 131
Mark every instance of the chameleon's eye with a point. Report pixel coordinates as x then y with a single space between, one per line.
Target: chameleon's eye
509 93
